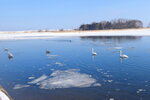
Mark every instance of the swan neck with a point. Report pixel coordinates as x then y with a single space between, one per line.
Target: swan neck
92 50
120 53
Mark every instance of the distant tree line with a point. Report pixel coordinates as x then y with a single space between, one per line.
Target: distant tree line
114 24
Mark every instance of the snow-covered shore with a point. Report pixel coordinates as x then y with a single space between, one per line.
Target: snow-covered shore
47 35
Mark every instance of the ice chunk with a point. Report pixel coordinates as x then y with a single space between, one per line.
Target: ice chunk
65 79
111 99
110 81
41 78
19 86
59 64
31 78
141 90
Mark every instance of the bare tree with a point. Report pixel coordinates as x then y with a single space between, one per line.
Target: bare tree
114 24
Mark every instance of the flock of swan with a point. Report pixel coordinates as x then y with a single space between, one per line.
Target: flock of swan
10 55
121 54
3 96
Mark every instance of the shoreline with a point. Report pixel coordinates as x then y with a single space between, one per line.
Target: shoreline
51 34
69 31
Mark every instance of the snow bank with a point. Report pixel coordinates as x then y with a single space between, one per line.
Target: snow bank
47 35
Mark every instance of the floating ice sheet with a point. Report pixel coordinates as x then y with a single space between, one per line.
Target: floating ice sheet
65 79
111 99
141 90
30 78
38 80
60 64
19 86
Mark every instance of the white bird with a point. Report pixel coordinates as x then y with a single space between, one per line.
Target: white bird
10 55
123 55
93 52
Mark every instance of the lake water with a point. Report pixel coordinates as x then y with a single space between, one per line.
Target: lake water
70 72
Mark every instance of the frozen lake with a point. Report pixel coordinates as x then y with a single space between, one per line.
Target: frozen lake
70 72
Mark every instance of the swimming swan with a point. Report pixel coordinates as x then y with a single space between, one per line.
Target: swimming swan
93 52
123 55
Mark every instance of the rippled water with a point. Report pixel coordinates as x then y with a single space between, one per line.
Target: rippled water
70 72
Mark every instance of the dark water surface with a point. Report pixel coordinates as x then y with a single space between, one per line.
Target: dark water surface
70 72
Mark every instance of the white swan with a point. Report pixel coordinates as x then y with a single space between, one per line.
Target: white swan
93 52
123 55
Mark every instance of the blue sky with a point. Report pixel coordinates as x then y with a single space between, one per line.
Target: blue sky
68 14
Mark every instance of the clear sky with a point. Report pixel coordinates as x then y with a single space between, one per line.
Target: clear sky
68 14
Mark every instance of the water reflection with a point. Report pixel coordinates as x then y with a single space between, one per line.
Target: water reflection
117 39
61 40
122 59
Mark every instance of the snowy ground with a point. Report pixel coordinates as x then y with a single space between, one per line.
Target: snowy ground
46 35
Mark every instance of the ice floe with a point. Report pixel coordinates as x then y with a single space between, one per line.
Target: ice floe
59 64
98 69
65 79
19 86
38 80
30 78
140 90
111 99
110 81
